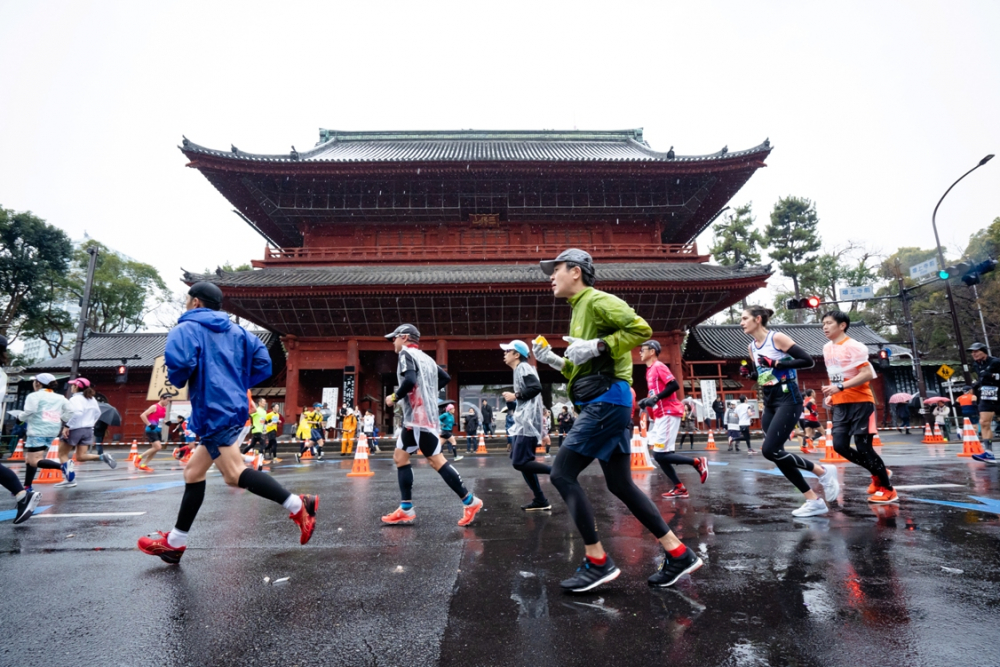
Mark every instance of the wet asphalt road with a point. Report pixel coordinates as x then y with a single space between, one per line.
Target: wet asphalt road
863 585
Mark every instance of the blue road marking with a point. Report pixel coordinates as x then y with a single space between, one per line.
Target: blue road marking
988 504
8 515
777 473
149 488
718 463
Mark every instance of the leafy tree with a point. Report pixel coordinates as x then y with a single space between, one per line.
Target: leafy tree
793 238
32 252
851 264
737 243
124 290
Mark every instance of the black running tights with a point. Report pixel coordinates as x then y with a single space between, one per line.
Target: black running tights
530 471
618 475
666 461
9 480
863 456
778 424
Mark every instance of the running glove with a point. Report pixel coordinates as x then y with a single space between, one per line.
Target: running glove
647 403
581 351
545 354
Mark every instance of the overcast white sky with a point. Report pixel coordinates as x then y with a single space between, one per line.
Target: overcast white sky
873 108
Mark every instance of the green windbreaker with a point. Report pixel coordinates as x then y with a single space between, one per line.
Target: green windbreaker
597 314
258 416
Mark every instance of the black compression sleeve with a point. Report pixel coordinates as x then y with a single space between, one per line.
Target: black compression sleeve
671 387
409 382
443 377
532 388
800 359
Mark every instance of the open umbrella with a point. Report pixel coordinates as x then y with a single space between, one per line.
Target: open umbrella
109 415
935 400
915 401
901 397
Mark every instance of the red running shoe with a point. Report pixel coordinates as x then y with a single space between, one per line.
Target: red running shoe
142 467
676 492
157 546
701 465
306 518
400 517
875 486
469 515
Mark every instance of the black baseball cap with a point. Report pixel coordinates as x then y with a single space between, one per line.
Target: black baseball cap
208 294
580 257
405 329
653 345
978 347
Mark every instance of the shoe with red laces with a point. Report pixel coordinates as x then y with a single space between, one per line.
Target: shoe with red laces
400 517
874 486
676 492
157 546
701 465
306 518
884 496
471 510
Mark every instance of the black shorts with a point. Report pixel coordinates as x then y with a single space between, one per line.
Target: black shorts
522 450
988 406
154 436
805 423
853 419
444 435
272 437
429 445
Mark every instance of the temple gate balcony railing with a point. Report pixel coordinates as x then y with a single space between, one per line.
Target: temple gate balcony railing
458 254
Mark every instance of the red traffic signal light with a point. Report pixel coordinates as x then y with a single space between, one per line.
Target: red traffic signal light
121 374
806 302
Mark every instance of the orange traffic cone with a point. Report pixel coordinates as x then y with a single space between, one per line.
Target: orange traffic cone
306 454
643 424
876 441
18 454
540 449
133 453
937 433
47 475
928 436
970 442
711 441
360 467
830 454
481 449
640 452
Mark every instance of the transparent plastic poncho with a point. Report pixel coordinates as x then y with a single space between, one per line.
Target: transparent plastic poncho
528 415
420 405
844 361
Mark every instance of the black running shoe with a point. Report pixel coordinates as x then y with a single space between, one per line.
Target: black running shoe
26 506
537 506
673 569
589 576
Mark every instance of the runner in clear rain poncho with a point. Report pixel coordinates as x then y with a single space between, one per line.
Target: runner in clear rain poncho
529 427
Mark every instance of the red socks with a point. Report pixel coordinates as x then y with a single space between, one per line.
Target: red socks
678 552
598 562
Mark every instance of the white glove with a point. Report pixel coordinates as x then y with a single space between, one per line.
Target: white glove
581 351
546 355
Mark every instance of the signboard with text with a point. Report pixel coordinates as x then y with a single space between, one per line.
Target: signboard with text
924 268
159 384
859 293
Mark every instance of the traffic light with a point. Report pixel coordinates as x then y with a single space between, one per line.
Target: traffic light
953 270
974 275
944 274
805 302
883 358
121 374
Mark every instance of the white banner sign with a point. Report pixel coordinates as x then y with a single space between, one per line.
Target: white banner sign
924 268
708 395
859 293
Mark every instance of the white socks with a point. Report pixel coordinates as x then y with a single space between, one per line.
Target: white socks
293 504
177 539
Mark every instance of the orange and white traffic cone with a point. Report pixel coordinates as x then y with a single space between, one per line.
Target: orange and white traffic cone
711 441
306 454
830 454
360 467
133 453
928 436
876 441
18 454
640 459
50 475
540 449
970 441
937 433
481 449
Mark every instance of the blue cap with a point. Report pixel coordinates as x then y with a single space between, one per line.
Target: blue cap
518 346
317 405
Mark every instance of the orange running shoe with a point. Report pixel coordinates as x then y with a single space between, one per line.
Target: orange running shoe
139 465
400 517
470 512
884 497
306 518
873 487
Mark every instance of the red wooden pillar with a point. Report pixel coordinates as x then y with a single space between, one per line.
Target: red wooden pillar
291 379
670 354
441 356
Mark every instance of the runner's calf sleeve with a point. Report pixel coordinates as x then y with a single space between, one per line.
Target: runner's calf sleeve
29 474
263 485
194 494
453 480
49 464
9 480
405 476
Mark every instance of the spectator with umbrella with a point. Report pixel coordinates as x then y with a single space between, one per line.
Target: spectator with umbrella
902 403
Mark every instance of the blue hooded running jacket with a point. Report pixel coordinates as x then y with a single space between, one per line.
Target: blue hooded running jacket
219 361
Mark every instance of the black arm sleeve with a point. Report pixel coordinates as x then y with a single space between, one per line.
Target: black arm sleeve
443 377
532 388
671 387
409 382
800 359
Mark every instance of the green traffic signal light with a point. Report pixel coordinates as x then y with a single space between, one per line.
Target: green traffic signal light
943 275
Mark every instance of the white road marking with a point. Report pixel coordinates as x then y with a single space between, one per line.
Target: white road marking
917 487
87 514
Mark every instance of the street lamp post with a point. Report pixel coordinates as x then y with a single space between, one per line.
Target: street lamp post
947 286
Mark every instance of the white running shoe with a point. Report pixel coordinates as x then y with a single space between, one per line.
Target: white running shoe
811 508
65 484
831 484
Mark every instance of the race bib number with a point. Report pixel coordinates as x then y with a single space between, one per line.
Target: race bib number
988 393
835 373
54 417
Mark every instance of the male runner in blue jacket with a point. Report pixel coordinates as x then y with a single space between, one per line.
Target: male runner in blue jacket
219 361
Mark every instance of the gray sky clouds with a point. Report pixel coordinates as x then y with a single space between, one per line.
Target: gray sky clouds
873 108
